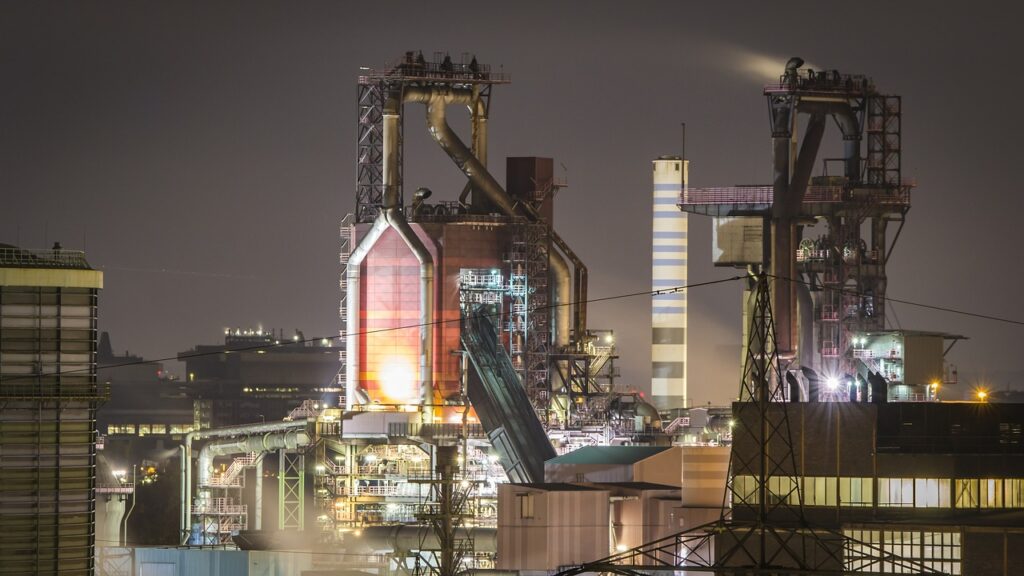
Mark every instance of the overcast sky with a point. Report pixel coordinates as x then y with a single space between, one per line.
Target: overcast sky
204 153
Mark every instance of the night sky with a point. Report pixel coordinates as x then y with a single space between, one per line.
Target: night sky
203 154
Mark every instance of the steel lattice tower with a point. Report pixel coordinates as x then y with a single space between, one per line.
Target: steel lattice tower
767 533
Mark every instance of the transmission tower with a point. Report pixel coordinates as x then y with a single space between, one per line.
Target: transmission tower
766 532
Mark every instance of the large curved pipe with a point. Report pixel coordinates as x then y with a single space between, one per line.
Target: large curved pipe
186 458
437 101
391 216
848 124
260 443
353 393
396 219
561 291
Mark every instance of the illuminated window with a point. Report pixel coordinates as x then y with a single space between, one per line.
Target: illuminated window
1013 493
896 492
781 488
856 491
991 494
525 505
819 491
744 490
967 493
120 429
931 493
935 550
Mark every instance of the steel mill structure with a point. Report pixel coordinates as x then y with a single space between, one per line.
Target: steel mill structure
825 239
466 359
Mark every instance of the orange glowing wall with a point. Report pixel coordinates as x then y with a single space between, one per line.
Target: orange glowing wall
389 343
390 299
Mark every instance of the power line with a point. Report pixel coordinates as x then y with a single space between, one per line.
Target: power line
257 347
907 302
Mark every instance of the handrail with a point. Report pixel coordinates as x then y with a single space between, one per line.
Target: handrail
57 258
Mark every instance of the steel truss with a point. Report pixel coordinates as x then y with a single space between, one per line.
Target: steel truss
445 512
768 533
291 489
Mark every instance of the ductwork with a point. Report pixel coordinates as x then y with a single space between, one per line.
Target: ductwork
353 393
849 125
259 443
228 432
437 100
805 313
392 216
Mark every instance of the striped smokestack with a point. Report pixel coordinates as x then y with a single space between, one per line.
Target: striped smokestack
668 266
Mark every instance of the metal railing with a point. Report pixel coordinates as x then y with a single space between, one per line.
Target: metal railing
60 258
120 488
814 194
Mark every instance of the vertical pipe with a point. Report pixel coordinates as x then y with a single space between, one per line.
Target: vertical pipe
258 523
128 514
186 502
436 102
182 513
396 219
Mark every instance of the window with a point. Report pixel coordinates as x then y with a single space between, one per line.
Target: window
120 429
991 494
931 493
936 550
525 505
896 492
782 488
856 491
967 493
1013 494
744 490
819 491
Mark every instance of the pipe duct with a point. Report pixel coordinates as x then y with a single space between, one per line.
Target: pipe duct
391 216
437 100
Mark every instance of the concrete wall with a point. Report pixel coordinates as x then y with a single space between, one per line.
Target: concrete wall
662 468
705 469
568 527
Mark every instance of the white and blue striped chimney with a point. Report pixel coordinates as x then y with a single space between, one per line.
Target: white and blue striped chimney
668 266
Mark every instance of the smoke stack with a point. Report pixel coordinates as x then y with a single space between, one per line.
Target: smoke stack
668 270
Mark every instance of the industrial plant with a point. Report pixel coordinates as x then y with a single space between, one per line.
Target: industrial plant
469 419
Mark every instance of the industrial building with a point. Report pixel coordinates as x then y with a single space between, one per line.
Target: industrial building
48 400
465 356
259 375
825 238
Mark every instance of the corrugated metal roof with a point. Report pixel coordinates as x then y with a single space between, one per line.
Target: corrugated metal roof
608 455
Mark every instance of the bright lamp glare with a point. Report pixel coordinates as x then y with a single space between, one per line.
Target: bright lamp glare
396 381
832 382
